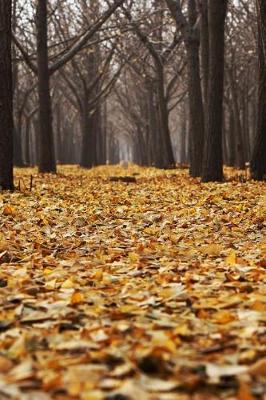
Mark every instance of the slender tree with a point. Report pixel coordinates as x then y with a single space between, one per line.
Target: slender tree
190 34
258 160
213 156
46 143
17 111
6 119
204 50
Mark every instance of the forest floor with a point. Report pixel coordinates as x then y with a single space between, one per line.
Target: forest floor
153 290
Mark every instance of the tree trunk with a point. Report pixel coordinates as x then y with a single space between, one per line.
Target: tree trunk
245 123
88 149
258 159
46 141
6 117
140 144
85 146
17 130
196 112
183 135
164 145
27 142
213 156
17 144
240 158
204 51
231 144
151 128
103 123
99 136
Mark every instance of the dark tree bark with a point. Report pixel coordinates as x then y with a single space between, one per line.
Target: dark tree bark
17 147
27 142
88 147
183 135
245 123
6 94
100 136
163 156
152 124
46 139
17 114
258 159
204 50
213 157
239 145
164 142
230 140
196 116
196 113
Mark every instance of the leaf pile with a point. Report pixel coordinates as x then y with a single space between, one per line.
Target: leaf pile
153 290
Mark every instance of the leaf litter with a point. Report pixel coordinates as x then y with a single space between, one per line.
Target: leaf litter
118 290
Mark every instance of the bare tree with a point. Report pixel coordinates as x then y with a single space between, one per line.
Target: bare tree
6 119
44 70
258 160
189 28
213 157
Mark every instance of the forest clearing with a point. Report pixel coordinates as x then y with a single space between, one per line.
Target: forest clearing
153 290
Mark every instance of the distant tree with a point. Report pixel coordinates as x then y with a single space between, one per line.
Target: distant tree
6 118
258 160
45 69
17 114
204 51
47 154
142 78
163 149
190 34
213 155
86 81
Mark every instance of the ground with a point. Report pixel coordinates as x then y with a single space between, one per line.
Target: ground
153 290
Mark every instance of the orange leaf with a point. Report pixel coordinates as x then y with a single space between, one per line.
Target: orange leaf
77 298
244 392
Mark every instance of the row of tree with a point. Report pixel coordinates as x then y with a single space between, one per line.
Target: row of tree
153 81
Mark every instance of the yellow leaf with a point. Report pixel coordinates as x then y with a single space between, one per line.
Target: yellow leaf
128 308
224 317
259 306
92 395
51 285
68 284
74 388
212 249
231 258
98 275
182 330
18 348
133 257
159 338
48 271
248 355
